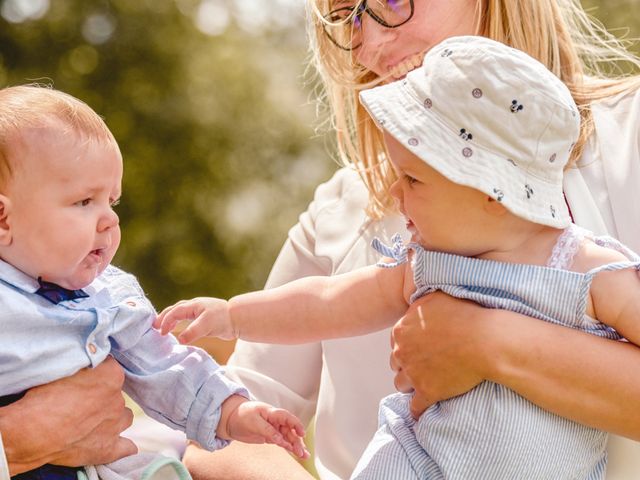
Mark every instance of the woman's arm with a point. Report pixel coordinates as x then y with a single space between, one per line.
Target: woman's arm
445 346
230 463
73 421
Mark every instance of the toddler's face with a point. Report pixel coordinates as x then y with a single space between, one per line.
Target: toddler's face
441 215
62 195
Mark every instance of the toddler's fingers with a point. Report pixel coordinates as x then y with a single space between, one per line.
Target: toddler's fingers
287 419
184 310
164 325
265 430
291 429
297 442
197 329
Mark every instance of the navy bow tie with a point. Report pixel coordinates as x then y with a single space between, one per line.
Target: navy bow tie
56 294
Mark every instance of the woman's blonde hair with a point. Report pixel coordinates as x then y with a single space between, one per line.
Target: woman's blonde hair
559 33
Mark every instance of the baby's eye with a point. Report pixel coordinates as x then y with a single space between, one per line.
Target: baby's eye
410 180
84 202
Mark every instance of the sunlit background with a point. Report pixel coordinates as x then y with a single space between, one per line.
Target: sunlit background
215 115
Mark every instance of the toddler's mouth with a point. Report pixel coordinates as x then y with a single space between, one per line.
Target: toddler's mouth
97 254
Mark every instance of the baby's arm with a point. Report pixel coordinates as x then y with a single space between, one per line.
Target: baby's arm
306 310
257 422
615 295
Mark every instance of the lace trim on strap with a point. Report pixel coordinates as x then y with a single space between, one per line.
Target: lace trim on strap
566 247
398 251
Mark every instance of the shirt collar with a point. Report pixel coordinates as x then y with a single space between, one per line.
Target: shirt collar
11 275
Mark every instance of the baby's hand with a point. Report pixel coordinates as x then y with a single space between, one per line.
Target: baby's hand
209 316
257 422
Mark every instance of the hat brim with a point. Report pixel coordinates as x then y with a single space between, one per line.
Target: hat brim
416 125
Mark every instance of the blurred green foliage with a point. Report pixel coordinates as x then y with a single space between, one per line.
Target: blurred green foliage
214 117
216 130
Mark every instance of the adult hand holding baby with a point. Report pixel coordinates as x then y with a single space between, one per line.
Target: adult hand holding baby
436 346
85 416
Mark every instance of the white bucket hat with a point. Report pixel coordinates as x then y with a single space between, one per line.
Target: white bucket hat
489 117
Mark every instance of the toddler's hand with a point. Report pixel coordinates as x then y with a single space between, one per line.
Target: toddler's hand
257 422
209 316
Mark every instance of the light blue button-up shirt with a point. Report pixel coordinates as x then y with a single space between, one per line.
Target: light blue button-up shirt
177 385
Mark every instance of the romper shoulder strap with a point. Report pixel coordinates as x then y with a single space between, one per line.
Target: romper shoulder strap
397 251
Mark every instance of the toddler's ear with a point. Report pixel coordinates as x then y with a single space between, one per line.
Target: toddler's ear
493 207
5 229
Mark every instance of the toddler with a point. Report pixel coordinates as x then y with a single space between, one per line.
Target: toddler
478 137
64 307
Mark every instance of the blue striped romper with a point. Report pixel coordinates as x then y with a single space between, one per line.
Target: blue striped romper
491 432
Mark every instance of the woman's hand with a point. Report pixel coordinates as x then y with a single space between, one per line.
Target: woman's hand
440 349
73 421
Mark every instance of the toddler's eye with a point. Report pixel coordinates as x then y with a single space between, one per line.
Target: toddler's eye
410 180
84 203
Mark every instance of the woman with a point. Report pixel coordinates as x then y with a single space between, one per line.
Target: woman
443 347
342 381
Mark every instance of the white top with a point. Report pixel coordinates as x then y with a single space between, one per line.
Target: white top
342 381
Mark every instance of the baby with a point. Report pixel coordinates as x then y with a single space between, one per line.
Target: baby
64 307
478 137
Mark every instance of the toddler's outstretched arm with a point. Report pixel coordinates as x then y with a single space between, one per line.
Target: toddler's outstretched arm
257 422
306 310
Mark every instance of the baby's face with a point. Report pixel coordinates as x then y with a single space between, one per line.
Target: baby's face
441 215
62 195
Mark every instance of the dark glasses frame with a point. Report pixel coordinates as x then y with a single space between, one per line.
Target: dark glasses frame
361 10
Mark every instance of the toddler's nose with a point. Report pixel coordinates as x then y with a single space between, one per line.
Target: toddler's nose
109 220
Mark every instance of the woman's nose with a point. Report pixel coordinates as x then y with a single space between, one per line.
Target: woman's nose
373 37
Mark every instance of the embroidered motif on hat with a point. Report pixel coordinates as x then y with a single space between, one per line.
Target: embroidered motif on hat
413 141
428 103
465 135
467 152
476 92
516 107
499 194
528 190
552 158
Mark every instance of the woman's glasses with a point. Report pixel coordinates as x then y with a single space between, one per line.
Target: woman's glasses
343 25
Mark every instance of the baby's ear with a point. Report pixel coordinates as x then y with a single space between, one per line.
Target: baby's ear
494 207
5 229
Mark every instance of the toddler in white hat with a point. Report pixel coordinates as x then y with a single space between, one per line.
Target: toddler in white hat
478 137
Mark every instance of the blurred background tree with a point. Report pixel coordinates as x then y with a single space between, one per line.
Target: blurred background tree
214 115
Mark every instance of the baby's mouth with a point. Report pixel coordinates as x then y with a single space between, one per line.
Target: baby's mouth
96 254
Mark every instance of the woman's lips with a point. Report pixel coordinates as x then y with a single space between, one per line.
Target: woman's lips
401 69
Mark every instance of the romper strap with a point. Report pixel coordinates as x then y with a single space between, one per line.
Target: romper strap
398 251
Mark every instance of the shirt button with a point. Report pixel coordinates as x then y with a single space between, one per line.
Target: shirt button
92 348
